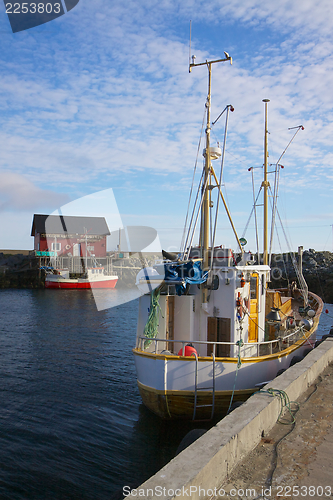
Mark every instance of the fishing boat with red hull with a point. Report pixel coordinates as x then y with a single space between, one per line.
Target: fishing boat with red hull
94 278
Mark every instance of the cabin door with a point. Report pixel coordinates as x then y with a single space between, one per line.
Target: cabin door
218 330
254 308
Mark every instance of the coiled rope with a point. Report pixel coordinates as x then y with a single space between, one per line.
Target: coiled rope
285 403
151 328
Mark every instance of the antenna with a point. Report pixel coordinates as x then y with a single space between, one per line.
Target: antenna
206 63
189 55
193 58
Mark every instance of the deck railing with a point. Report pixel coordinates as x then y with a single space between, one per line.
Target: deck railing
263 348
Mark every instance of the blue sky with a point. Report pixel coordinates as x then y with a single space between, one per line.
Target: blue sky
102 98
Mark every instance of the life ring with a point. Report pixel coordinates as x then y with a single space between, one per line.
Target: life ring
68 247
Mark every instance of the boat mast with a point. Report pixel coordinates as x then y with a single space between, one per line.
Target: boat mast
205 206
265 185
204 233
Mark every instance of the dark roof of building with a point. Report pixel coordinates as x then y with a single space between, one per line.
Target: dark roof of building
68 224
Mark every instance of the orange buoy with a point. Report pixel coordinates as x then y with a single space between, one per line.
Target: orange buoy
188 351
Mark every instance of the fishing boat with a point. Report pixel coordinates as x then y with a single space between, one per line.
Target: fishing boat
70 248
94 277
91 277
211 329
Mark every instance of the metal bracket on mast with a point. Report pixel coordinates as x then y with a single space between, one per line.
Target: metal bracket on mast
206 63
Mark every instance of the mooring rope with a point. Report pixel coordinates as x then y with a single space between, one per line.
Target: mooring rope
240 344
284 401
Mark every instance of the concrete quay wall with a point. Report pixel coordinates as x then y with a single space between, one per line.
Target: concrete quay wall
204 465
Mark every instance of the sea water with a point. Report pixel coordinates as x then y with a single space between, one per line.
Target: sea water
72 425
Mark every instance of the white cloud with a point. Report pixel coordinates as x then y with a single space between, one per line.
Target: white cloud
18 193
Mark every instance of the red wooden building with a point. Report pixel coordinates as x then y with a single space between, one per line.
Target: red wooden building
69 235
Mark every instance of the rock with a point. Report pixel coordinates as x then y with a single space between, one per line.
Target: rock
317 271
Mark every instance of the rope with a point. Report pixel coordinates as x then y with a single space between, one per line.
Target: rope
240 343
151 328
187 252
255 215
191 190
285 403
281 253
299 276
269 478
250 216
213 236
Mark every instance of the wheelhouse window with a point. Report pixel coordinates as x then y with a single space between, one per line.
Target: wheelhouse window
253 286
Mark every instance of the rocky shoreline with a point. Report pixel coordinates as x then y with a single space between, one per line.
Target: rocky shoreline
317 271
22 271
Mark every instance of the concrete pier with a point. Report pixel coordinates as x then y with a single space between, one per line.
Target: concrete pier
294 458
201 470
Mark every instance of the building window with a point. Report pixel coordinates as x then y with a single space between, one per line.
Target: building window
56 247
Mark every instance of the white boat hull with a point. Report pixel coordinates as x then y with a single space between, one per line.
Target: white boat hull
167 383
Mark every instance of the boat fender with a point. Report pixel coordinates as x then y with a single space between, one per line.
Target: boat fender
307 350
295 359
242 281
307 324
188 351
282 370
235 405
290 322
326 336
189 438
